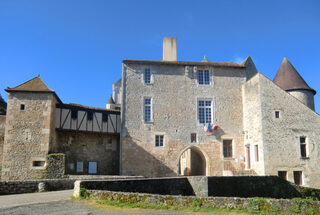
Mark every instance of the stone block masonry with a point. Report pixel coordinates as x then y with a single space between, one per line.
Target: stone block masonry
273 206
202 186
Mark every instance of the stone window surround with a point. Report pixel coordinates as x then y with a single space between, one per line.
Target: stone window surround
143 69
164 140
307 147
302 175
228 137
212 109
273 117
143 111
38 167
197 138
211 75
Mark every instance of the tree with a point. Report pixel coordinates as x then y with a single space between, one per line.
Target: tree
3 106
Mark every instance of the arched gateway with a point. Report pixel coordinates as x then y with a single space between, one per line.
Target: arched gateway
192 162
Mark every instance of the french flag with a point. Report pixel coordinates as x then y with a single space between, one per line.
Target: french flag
209 128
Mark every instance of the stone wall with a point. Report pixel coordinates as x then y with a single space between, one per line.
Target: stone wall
31 186
28 135
175 91
268 206
2 126
234 186
281 136
89 147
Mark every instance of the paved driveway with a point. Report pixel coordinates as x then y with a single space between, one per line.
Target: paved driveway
58 202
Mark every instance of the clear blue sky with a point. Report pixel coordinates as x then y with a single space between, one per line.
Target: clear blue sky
77 45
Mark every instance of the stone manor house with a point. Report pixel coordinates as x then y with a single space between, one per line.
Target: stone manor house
168 118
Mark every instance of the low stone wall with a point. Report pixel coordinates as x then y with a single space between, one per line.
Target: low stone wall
30 186
202 186
269 205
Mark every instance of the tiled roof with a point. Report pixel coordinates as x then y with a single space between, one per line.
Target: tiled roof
33 85
288 78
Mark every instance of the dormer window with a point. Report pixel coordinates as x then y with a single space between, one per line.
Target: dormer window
203 77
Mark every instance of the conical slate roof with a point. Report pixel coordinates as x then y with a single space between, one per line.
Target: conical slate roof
33 85
110 101
288 78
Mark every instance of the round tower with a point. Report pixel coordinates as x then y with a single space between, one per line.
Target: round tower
291 81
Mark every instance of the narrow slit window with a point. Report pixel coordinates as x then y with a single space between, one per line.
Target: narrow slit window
303 147
256 153
277 114
38 163
22 107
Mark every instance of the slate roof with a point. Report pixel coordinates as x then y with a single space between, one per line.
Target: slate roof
184 63
110 101
33 85
288 78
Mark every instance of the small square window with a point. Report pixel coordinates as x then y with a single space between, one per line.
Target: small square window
38 163
193 138
22 107
74 114
277 114
282 174
159 140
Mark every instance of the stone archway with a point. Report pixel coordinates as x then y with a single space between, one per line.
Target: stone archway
192 162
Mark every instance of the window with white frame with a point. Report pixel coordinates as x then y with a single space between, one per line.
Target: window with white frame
147 76
159 141
205 111
147 110
203 77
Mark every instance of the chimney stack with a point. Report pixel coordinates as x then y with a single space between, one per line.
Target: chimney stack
170 49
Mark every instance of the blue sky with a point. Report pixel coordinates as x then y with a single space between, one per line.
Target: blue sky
77 45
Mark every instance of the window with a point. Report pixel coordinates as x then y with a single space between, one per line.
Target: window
147 76
159 140
282 174
79 166
256 153
74 114
297 176
277 114
204 111
147 110
303 147
90 115
22 107
227 148
92 168
193 138
105 117
38 163
203 77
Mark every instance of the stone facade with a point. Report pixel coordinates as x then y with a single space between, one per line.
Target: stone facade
174 94
28 135
272 126
82 147
2 125
39 144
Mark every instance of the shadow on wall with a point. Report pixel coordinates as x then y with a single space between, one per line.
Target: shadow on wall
137 161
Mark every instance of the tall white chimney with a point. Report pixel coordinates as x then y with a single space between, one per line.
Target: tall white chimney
170 49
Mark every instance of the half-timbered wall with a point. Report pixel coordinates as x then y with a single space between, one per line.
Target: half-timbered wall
75 118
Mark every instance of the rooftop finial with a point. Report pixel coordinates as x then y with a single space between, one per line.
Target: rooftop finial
205 59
